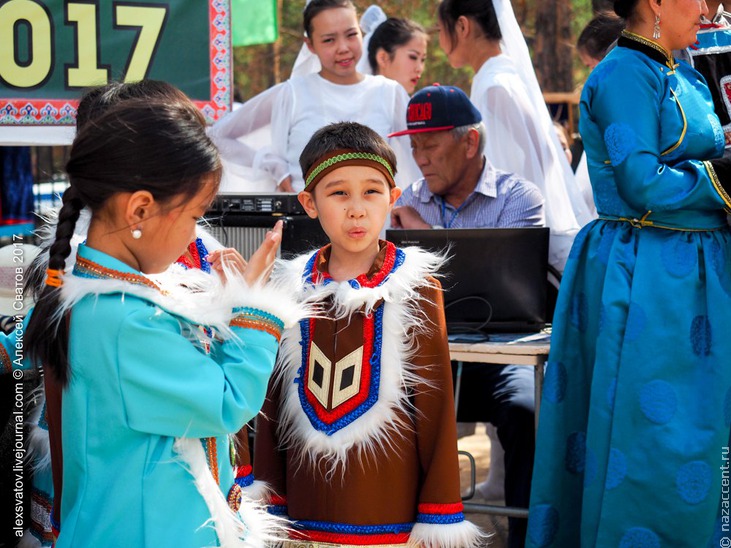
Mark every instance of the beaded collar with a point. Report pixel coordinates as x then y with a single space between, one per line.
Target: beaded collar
84 268
650 48
391 256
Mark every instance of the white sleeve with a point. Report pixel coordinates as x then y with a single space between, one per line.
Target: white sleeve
407 170
231 132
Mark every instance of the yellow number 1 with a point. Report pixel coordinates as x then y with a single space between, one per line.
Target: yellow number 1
86 72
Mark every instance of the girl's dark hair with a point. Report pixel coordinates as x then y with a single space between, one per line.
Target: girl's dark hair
154 144
95 102
482 11
345 135
318 6
390 35
624 8
599 33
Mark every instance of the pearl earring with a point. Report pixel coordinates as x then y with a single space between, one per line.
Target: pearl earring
137 233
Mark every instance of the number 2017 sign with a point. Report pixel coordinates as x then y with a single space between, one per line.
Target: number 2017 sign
53 50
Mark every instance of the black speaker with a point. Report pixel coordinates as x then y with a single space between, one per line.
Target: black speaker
245 232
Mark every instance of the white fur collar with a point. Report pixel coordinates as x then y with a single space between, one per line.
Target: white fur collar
195 296
402 316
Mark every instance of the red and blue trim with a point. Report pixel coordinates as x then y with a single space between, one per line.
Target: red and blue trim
197 259
393 259
331 421
358 535
277 505
440 514
244 475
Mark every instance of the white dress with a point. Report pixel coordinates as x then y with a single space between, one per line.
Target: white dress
302 105
517 142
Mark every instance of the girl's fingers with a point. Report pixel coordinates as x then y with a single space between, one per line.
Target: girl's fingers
262 260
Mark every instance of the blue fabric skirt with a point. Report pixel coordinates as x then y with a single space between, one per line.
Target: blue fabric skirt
633 437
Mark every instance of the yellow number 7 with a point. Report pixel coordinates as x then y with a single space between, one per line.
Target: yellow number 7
150 21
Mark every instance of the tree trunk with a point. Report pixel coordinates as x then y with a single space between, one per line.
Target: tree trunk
553 55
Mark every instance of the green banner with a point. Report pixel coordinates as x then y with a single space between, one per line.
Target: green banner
254 22
51 50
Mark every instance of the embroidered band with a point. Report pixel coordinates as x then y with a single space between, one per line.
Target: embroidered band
53 277
253 318
341 158
85 268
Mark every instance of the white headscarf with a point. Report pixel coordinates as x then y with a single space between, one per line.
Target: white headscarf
369 22
514 46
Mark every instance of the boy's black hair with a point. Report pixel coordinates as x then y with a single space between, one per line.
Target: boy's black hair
345 136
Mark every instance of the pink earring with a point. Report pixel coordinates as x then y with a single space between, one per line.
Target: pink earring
656 29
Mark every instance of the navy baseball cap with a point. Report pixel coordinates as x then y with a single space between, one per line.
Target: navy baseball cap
439 108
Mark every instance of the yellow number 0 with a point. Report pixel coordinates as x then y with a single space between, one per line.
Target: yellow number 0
40 48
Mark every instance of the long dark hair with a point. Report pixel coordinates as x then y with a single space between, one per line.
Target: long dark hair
599 33
93 103
389 35
625 8
482 11
317 6
153 144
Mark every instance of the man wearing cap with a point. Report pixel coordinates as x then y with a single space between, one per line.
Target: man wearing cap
461 189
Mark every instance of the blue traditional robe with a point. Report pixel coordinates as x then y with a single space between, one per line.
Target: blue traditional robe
634 424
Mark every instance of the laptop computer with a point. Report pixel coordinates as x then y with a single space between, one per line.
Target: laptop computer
495 280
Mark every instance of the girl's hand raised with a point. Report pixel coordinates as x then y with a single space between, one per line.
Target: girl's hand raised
261 261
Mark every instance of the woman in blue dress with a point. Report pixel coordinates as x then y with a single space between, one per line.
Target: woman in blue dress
634 426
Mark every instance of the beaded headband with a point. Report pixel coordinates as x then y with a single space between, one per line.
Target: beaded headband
342 158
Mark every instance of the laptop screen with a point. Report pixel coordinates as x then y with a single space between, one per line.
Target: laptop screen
495 279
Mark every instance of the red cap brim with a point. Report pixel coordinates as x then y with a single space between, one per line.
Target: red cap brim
420 130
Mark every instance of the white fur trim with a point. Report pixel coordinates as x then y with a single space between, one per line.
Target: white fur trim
38 454
251 527
376 428
259 491
28 540
464 534
195 296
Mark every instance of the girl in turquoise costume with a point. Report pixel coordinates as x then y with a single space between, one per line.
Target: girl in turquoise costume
636 408
148 409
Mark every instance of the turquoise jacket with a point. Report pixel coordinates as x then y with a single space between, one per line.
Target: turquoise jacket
139 380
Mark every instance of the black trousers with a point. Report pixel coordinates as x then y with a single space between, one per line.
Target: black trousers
505 396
